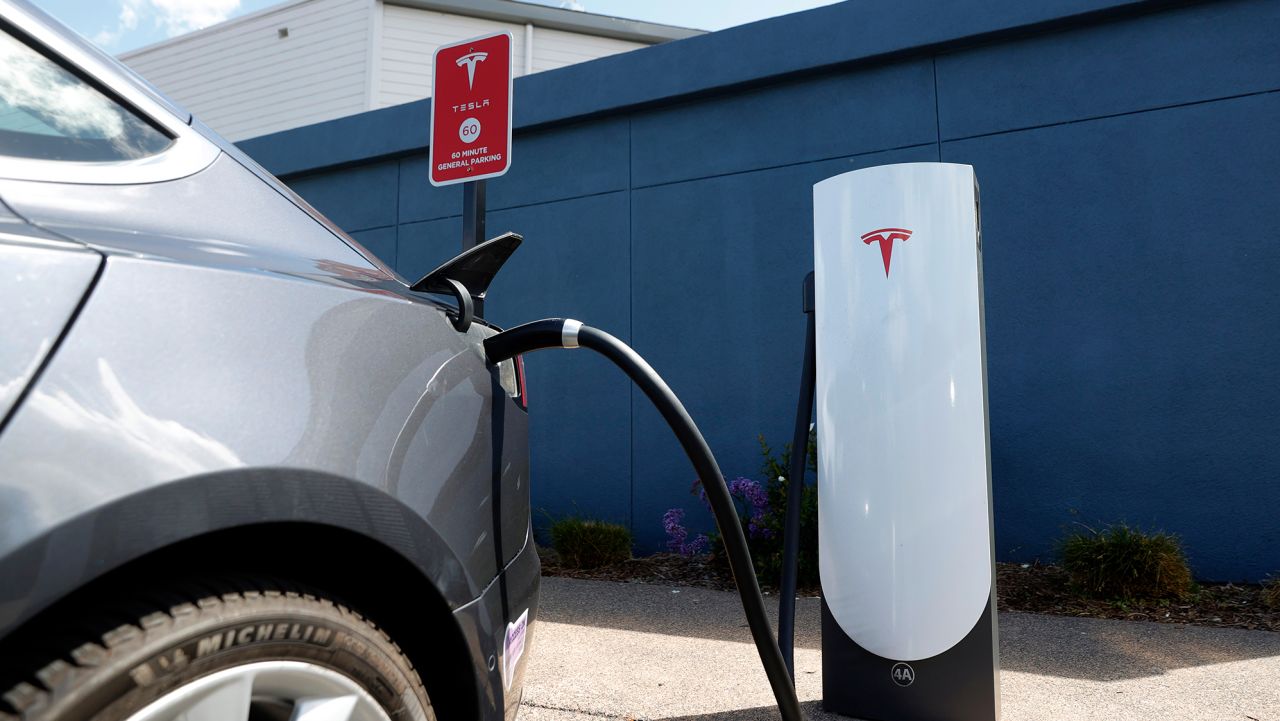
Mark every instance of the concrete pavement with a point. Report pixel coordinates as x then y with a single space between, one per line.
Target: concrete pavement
635 651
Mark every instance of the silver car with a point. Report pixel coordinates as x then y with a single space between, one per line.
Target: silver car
246 471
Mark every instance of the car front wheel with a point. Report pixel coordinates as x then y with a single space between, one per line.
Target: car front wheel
251 652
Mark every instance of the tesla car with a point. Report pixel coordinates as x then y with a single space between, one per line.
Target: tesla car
246 471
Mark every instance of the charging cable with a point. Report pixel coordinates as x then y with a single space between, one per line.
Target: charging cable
565 333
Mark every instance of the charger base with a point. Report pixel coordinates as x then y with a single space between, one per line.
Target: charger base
959 684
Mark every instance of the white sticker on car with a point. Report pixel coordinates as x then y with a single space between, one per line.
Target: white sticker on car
513 647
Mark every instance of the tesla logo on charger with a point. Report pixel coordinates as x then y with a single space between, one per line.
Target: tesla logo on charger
469 62
885 237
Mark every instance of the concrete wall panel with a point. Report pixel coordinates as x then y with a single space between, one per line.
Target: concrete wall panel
1188 55
380 241
574 263
423 246
814 119
1127 160
567 161
354 198
1130 264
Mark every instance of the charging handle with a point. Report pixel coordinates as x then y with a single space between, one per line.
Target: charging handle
466 305
472 270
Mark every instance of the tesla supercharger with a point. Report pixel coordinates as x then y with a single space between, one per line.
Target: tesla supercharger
904 485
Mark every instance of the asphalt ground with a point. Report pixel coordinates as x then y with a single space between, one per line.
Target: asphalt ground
635 651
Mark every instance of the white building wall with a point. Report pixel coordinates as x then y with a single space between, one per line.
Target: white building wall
341 57
410 36
243 80
556 48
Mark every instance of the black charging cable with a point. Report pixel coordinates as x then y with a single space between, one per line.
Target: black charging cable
565 333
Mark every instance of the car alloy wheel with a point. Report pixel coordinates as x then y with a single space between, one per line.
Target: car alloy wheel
283 690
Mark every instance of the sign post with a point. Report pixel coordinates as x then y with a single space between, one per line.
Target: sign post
471 123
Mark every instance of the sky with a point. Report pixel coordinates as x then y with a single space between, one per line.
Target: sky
120 25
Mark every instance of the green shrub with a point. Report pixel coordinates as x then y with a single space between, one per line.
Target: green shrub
590 544
1122 563
766 549
1270 595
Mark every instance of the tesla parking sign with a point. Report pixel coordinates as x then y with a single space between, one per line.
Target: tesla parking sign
471 110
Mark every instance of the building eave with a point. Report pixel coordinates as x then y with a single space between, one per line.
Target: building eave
556 18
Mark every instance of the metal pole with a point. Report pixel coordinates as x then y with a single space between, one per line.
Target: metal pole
473 223
795 488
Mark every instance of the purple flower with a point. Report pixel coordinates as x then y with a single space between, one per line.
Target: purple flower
673 524
697 546
757 500
750 492
677 534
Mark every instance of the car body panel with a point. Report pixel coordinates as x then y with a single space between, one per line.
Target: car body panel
235 153
520 584
190 398
264 371
224 357
485 622
227 218
45 280
70 554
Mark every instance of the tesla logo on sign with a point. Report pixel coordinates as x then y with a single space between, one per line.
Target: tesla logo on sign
903 674
469 62
885 237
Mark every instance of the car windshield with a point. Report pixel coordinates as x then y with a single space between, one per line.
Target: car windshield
49 113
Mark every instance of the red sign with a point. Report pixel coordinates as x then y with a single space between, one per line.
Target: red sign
471 110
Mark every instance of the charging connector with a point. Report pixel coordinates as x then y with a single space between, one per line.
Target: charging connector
565 333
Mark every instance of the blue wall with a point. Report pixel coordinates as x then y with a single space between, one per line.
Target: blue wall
1127 154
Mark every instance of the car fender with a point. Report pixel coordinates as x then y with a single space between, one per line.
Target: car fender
83 548
258 397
